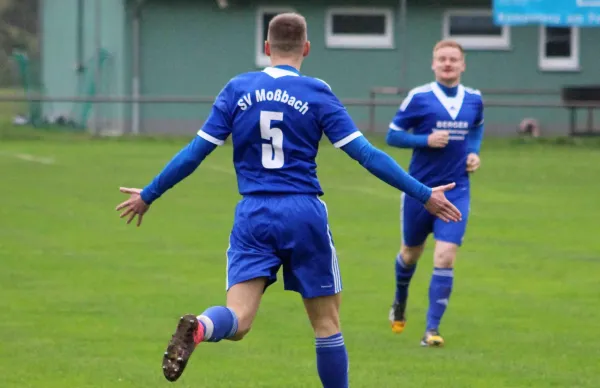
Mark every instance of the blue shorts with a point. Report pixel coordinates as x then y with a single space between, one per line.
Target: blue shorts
417 223
289 231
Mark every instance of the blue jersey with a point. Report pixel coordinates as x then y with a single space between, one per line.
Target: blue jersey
430 108
276 118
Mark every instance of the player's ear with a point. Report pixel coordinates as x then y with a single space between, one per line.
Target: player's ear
267 48
306 48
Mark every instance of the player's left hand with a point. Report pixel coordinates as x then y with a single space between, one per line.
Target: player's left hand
473 162
135 205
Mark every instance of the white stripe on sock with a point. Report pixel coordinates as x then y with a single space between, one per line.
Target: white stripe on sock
210 326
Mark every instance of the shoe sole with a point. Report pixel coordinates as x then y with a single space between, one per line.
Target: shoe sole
180 347
432 343
398 327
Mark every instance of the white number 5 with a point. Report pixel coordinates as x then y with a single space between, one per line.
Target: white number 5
272 154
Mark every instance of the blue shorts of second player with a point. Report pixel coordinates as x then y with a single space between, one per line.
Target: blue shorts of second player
289 231
417 223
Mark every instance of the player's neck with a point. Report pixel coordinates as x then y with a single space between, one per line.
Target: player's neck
449 88
296 64
449 84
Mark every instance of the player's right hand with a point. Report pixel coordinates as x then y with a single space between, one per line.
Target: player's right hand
438 139
439 206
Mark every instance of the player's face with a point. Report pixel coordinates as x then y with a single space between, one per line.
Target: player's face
448 65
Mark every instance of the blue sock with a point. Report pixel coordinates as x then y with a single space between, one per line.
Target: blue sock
219 322
404 273
332 361
440 289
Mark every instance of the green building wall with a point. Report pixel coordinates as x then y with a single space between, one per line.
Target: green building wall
191 48
62 51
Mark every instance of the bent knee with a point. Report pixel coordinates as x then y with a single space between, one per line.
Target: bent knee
410 255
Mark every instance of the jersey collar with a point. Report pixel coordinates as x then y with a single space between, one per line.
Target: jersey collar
288 68
449 91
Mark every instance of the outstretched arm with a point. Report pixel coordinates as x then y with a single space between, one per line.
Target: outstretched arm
214 132
183 164
341 131
385 168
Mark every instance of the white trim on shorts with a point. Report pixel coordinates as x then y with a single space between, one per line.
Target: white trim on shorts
402 200
227 264
335 267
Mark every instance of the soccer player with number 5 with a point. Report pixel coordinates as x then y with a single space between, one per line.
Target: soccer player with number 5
276 118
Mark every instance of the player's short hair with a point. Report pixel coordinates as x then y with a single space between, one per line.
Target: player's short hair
448 43
287 33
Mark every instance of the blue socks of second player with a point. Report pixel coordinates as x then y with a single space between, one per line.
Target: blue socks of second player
219 322
440 289
404 273
332 361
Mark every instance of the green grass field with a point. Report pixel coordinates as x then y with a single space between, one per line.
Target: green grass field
86 301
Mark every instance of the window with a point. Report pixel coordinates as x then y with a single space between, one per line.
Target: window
263 17
559 48
475 30
355 27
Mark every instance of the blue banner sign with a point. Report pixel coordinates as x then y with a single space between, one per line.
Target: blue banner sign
563 13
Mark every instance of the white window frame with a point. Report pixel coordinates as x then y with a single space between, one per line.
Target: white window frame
473 42
559 64
261 59
360 41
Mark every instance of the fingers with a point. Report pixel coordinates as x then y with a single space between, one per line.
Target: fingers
472 167
453 213
131 212
444 137
447 212
447 187
126 212
123 205
442 217
128 190
133 206
448 215
442 141
473 162
438 139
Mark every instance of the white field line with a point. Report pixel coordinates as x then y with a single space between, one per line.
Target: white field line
29 157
